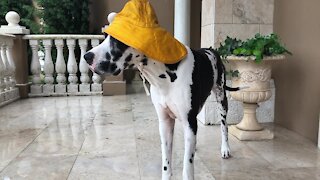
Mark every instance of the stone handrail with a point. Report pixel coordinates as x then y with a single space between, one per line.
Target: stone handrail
59 77
8 90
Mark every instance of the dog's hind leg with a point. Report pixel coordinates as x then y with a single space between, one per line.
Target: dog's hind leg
222 113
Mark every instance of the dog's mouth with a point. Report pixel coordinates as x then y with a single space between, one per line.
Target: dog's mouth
93 69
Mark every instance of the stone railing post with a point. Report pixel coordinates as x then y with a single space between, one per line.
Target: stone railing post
72 67
61 87
19 52
96 86
6 78
12 66
48 87
36 87
2 76
83 67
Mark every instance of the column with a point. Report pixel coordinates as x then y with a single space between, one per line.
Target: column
19 52
182 21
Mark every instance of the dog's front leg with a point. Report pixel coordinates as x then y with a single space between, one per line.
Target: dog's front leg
189 149
166 129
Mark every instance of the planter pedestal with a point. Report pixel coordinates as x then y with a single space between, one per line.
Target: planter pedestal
256 77
242 135
249 128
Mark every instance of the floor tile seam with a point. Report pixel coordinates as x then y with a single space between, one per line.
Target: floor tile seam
18 154
77 155
260 155
80 148
135 136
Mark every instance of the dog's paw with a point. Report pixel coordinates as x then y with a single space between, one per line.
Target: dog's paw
225 152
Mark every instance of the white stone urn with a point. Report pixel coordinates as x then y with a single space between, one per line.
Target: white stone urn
254 78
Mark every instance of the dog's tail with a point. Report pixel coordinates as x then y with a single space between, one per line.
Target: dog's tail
235 88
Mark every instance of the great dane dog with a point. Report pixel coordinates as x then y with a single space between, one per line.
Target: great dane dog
178 91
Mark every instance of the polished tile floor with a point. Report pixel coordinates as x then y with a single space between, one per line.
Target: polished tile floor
116 138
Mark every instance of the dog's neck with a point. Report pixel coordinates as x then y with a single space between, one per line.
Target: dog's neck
155 73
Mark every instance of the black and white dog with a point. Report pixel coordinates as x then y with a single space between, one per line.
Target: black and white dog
178 91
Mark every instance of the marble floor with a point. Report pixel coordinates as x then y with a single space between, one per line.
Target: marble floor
116 138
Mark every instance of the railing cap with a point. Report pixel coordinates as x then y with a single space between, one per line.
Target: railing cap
62 36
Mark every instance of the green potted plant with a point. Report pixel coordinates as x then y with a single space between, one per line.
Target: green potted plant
250 66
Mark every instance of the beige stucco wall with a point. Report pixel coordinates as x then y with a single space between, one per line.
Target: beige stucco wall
164 10
298 79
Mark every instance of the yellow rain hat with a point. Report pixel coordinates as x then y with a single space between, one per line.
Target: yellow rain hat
136 25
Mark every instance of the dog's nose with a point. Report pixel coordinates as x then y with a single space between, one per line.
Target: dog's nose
89 57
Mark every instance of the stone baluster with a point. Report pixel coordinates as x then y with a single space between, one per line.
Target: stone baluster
6 72
72 67
48 69
36 87
61 87
84 69
14 91
2 84
96 86
12 66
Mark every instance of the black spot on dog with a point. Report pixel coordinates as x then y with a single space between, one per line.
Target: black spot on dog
108 56
172 67
113 67
131 66
192 155
172 76
190 160
202 82
128 58
105 65
224 123
137 55
116 44
117 48
163 76
144 61
125 65
165 168
116 55
117 72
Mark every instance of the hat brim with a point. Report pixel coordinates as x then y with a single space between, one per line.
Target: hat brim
154 42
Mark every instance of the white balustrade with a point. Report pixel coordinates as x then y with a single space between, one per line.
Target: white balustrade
2 75
48 68
96 86
61 87
8 91
84 68
36 87
5 62
66 69
72 67
12 66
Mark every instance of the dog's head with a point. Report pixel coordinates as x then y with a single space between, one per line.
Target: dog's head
112 56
